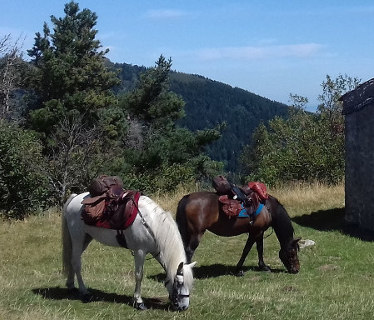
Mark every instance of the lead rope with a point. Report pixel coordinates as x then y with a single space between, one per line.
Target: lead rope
272 230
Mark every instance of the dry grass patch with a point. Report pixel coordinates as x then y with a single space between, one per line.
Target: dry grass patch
301 198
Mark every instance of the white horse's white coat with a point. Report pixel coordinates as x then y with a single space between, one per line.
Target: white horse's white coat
153 231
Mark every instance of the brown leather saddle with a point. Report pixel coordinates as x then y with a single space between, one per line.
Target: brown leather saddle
234 208
115 208
243 201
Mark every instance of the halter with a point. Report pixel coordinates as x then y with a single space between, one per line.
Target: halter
176 291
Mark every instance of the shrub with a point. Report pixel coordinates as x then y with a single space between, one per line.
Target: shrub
23 182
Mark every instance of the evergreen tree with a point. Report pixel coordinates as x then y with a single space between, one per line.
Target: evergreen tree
74 110
152 102
166 154
69 75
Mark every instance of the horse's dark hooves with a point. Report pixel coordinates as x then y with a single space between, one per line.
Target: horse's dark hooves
239 273
265 268
140 306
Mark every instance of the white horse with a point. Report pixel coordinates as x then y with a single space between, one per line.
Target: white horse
153 231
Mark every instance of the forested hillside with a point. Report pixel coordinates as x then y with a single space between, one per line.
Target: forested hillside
210 103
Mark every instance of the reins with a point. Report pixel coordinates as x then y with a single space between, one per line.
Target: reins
272 230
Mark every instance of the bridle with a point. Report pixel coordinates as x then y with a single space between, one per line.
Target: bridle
177 294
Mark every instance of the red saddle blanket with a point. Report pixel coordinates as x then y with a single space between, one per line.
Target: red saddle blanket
111 212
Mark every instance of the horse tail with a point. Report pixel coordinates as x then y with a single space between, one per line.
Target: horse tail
66 240
181 218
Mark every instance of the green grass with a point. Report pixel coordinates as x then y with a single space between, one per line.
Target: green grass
336 280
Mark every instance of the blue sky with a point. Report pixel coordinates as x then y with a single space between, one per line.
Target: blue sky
269 47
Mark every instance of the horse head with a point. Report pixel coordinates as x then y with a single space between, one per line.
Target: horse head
179 287
288 256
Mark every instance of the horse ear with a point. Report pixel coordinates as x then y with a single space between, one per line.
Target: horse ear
192 264
180 269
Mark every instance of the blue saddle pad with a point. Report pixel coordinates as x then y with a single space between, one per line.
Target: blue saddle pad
244 214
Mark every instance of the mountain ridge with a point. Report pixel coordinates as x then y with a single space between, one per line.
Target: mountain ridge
209 103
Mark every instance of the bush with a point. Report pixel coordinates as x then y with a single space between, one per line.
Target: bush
23 182
301 148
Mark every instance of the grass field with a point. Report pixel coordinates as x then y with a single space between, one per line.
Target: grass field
336 279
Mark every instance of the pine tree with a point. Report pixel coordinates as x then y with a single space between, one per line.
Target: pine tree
75 110
69 75
167 154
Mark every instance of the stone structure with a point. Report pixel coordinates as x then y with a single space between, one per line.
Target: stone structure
358 109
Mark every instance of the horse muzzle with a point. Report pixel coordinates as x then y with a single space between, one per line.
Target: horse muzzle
181 304
180 308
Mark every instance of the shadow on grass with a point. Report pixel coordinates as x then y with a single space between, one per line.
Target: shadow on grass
57 293
323 220
332 220
214 271
218 270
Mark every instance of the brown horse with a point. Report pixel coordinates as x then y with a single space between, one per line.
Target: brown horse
200 211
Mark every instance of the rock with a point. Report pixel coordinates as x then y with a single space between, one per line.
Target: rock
306 243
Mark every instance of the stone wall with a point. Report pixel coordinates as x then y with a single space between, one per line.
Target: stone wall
359 147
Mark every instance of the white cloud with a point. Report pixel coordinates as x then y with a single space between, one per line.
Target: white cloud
305 50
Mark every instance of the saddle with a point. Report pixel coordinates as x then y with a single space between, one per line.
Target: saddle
246 201
110 206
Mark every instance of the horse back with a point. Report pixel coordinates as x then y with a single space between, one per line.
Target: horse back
198 210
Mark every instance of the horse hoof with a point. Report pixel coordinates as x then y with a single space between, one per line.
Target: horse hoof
140 306
240 273
265 268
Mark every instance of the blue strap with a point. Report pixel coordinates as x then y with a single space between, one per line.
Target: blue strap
259 209
244 214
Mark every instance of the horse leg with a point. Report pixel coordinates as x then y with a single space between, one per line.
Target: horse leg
71 270
260 252
248 246
70 281
76 263
192 244
139 257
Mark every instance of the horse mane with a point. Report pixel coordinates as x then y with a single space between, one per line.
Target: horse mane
168 240
281 222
